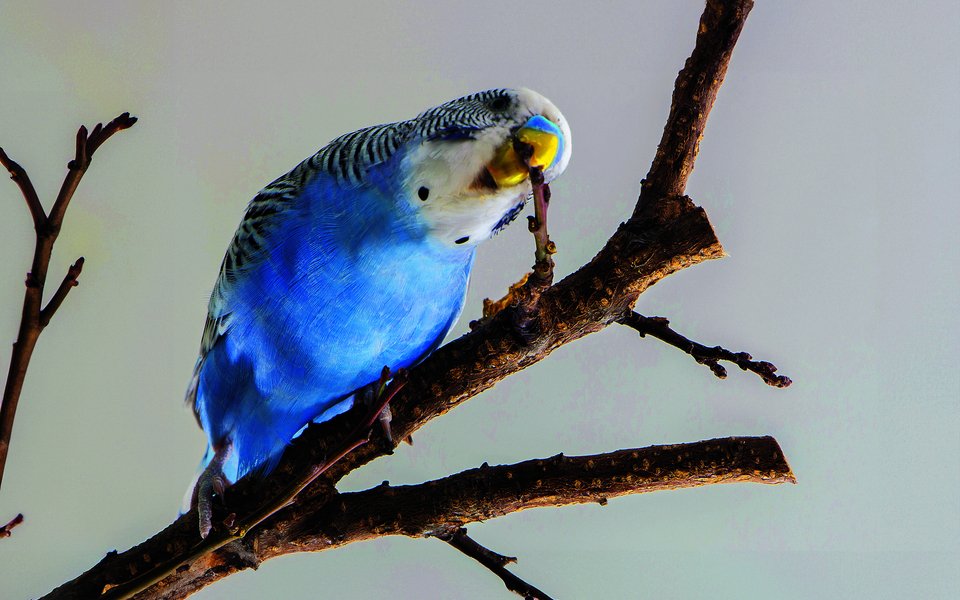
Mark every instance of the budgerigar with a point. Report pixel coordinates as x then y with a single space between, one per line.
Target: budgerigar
358 258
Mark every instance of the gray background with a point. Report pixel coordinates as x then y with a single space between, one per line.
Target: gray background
829 169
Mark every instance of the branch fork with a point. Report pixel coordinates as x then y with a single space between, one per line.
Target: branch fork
675 234
35 316
496 563
659 327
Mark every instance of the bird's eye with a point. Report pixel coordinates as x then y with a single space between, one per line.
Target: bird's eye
499 103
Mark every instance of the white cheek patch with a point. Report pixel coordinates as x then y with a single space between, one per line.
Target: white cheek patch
440 182
471 220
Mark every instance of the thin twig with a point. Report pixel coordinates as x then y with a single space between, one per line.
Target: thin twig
6 529
537 224
659 327
69 282
524 295
85 147
542 276
34 317
527 297
19 175
493 561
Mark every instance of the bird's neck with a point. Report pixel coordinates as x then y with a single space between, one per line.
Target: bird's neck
378 218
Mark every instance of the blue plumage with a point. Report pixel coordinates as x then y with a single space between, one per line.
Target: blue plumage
338 264
356 259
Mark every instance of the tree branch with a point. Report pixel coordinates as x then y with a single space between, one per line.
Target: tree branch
86 146
6 530
666 233
19 175
69 282
326 522
694 93
496 563
34 318
523 297
659 328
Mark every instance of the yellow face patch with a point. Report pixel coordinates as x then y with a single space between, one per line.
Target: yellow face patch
507 169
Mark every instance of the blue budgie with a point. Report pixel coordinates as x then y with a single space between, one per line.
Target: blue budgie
358 258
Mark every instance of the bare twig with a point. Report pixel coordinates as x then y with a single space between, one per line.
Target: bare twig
659 328
524 295
537 224
34 317
6 529
19 175
69 282
493 561
86 146
539 281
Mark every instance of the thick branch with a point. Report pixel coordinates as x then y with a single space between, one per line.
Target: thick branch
431 508
694 92
670 234
659 328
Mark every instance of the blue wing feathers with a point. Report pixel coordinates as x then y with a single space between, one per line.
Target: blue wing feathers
342 292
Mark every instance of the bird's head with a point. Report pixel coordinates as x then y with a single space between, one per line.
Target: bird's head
463 174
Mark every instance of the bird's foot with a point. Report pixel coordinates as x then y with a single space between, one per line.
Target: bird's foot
211 481
384 390
384 418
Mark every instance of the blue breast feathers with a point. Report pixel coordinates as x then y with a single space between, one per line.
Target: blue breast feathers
352 282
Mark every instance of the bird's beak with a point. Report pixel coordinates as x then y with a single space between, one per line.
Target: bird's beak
545 140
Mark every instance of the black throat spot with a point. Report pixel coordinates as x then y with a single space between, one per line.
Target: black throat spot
508 217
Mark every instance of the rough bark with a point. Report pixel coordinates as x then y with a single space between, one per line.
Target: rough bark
435 507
